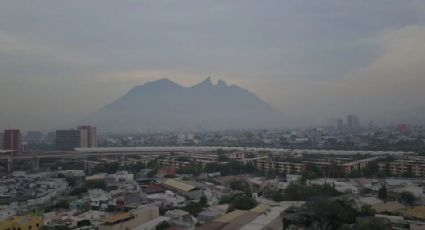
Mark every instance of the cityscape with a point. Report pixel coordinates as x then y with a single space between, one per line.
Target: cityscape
246 179
212 115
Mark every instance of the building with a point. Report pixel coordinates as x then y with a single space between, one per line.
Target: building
281 167
358 165
181 218
339 125
353 123
262 217
88 136
68 139
22 222
410 166
1 141
12 140
130 220
34 137
82 137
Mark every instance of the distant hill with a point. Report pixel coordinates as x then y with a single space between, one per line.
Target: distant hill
165 105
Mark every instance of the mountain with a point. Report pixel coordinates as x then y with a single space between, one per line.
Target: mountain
165 105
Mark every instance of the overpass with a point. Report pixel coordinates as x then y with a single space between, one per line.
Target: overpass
140 151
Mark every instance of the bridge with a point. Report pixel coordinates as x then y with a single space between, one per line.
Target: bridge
84 153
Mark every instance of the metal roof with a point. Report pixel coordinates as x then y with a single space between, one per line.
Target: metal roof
179 185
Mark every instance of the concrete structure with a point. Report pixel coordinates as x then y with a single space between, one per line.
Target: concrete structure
82 137
358 165
353 123
12 140
88 136
181 218
130 220
68 139
412 166
34 137
282 167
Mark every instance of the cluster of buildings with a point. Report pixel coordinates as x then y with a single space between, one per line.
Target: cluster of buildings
64 139
78 185
404 165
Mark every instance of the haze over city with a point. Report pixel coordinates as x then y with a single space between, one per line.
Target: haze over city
212 115
61 61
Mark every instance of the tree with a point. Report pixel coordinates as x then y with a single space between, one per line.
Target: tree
300 192
193 208
407 198
223 158
162 226
275 195
62 204
194 169
241 186
83 223
203 201
367 210
242 202
330 214
311 172
372 223
225 199
92 184
382 193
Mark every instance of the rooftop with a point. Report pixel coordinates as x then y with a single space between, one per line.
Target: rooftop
117 218
179 185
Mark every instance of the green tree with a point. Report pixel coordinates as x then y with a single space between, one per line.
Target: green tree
241 186
242 202
193 208
367 210
92 184
371 223
382 193
330 214
83 223
223 158
203 201
407 198
162 226
62 204
311 172
300 192
225 199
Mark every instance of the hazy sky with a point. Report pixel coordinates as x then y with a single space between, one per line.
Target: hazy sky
61 60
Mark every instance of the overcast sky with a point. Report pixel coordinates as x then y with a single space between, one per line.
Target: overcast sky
61 60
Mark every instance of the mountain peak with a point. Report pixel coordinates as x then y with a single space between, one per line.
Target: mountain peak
162 82
221 83
205 83
165 105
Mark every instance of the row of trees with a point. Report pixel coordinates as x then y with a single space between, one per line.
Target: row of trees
301 192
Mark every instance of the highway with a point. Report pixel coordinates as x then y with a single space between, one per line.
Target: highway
136 151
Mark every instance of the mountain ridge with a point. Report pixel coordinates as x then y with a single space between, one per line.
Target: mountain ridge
166 105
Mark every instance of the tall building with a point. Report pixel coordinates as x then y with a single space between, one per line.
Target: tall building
340 125
12 140
1 140
88 136
68 139
34 137
353 123
82 137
